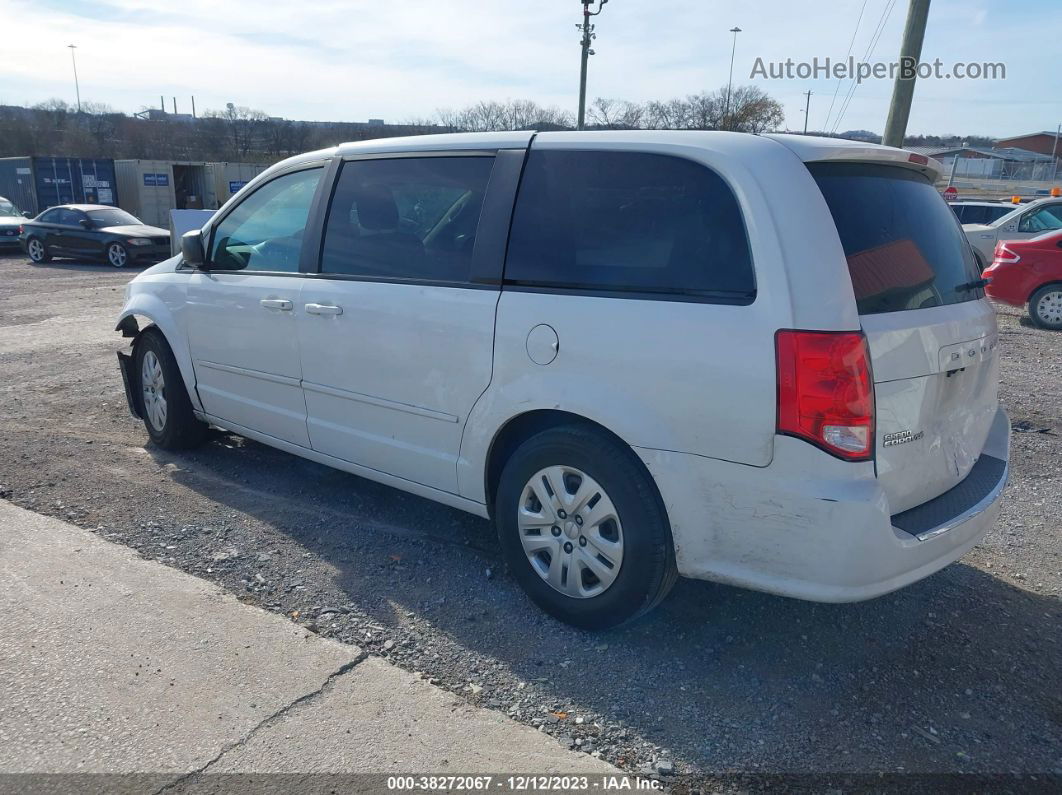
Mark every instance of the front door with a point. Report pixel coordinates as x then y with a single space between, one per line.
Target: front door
241 311
396 334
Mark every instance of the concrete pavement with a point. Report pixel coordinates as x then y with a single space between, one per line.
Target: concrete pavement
110 663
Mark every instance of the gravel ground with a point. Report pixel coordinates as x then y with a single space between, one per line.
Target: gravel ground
958 673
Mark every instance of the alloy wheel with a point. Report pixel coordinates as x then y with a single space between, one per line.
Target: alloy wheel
116 255
36 250
153 386
570 531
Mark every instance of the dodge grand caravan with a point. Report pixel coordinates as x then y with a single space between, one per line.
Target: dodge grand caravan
760 360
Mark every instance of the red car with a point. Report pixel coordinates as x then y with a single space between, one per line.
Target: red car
1029 272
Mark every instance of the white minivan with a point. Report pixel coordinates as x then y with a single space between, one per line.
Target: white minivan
759 360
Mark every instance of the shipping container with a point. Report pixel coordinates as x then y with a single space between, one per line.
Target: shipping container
151 188
230 177
36 183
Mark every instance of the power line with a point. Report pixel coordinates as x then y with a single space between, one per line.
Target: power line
846 55
885 14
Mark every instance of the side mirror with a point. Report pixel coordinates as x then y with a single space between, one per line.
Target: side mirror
85 223
192 249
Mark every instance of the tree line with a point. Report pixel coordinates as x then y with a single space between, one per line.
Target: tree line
239 133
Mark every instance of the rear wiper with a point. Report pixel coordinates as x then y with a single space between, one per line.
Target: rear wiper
977 284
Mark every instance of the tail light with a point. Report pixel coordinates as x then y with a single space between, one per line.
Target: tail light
825 391
20 229
1004 253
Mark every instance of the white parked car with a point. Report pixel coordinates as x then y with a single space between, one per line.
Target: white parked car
760 360
1025 221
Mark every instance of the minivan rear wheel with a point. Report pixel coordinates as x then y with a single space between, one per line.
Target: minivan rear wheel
1045 307
583 528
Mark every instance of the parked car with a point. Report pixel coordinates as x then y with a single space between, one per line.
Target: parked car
1029 273
93 231
11 219
760 360
1023 222
980 212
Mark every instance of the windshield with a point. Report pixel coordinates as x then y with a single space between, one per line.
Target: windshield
905 247
115 217
7 208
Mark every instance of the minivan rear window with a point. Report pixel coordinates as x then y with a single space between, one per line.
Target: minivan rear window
905 247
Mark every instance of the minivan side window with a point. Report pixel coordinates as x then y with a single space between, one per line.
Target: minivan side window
406 218
628 222
264 232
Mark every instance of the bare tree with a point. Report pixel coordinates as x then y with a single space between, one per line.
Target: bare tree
616 114
752 110
243 126
521 114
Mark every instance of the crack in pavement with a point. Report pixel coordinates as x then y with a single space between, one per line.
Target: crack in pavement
269 720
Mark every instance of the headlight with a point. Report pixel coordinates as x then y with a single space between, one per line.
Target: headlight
138 241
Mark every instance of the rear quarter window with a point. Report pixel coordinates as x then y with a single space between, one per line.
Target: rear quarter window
628 223
904 246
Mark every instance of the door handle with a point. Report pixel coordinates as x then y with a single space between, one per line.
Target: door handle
323 309
276 303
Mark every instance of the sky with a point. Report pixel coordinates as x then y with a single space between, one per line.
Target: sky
404 59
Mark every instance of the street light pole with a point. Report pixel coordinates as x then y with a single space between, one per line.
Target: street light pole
588 36
77 88
730 82
807 111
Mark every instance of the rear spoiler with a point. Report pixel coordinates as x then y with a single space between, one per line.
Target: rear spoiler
815 149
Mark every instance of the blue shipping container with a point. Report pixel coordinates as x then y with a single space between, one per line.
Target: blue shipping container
42 182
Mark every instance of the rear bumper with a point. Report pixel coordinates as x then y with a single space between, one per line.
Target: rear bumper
1010 285
813 527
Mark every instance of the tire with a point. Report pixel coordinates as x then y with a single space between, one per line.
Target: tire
577 456
117 255
37 250
1045 307
171 424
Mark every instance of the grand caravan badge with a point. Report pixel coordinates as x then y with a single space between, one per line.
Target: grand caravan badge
901 437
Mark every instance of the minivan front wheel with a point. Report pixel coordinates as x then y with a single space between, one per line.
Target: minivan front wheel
1045 307
163 400
583 529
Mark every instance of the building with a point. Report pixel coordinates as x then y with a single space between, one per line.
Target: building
991 163
1044 143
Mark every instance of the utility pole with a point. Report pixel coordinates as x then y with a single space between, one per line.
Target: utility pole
77 88
807 111
730 82
588 36
914 33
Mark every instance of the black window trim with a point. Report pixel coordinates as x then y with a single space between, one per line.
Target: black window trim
326 166
677 295
492 236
